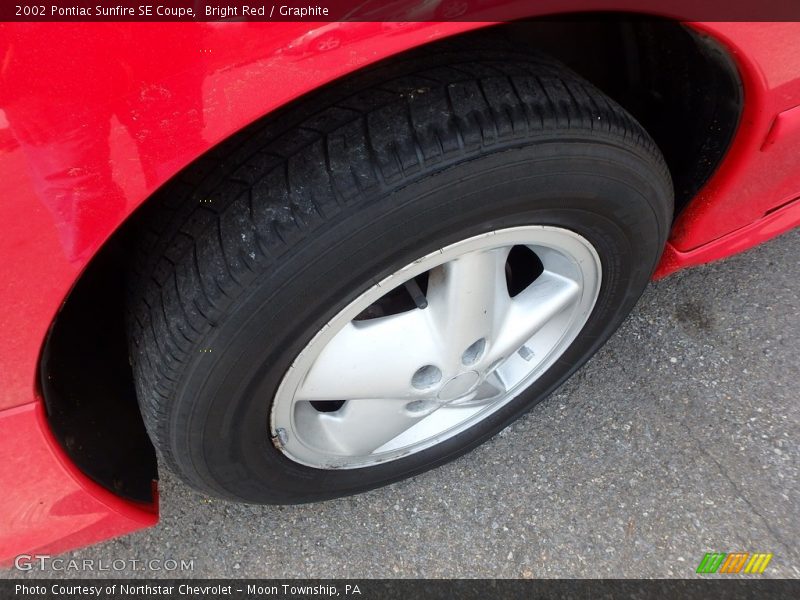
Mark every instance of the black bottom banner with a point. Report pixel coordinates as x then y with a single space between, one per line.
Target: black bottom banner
412 589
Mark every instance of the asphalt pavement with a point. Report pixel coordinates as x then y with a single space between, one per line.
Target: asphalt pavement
680 437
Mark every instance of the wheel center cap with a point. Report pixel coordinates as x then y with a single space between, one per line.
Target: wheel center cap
459 386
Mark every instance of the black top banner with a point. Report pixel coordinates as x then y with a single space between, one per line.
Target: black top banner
405 589
387 10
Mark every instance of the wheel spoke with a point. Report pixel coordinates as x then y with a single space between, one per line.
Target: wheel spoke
468 300
530 310
360 426
376 358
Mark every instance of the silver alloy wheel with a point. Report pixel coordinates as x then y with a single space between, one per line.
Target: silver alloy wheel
401 383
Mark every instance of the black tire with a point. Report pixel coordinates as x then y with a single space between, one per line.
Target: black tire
250 252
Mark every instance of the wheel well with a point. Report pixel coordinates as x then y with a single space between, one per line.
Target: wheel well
679 84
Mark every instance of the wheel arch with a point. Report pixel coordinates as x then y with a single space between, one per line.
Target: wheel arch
88 426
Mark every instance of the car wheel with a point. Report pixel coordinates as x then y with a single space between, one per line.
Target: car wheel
391 278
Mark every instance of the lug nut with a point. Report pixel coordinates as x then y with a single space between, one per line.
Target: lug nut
426 377
474 352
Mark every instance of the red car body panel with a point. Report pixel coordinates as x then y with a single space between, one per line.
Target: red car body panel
95 117
47 505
